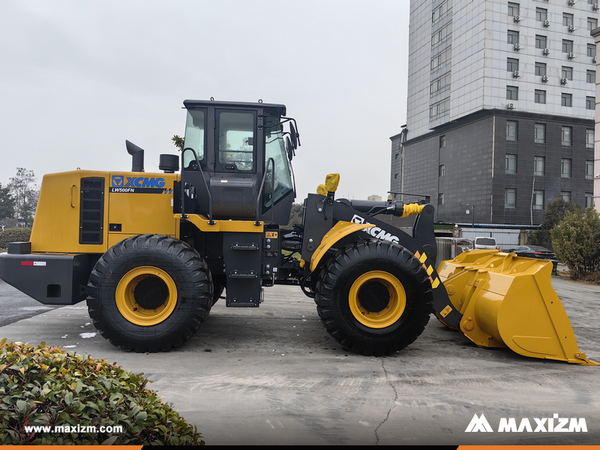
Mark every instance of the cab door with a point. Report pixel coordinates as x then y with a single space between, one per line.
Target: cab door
235 183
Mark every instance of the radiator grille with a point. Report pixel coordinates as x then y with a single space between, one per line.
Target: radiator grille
92 211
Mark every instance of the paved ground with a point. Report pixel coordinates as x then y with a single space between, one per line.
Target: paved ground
17 307
272 375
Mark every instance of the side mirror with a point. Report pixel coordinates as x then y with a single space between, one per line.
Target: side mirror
291 152
294 136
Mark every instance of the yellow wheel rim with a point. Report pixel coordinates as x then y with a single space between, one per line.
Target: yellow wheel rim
146 295
377 299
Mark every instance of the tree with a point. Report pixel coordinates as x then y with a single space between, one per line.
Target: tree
177 141
296 214
7 204
555 212
24 193
576 241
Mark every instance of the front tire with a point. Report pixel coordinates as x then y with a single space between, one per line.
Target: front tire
149 293
374 297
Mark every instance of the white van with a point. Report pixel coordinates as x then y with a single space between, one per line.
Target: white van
488 243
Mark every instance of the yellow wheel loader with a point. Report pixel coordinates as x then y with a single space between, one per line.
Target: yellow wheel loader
151 253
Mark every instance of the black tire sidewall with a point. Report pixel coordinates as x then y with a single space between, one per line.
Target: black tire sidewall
333 288
185 267
347 278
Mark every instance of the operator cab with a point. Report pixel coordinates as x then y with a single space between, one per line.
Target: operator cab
237 161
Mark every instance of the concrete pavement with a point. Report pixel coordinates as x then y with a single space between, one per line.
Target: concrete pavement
273 375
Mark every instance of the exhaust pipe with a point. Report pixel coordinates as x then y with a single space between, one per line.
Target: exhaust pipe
137 156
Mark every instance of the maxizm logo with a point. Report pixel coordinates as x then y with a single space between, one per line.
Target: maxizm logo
376 232
122 181
554 424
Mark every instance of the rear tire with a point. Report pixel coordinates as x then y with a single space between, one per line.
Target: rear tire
374 297
149 293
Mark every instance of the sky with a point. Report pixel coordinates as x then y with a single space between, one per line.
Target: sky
78 78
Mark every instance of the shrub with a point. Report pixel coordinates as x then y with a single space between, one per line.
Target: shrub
46 387
576 241
555 212
14 235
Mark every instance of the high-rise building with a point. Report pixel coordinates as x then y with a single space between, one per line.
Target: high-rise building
501 107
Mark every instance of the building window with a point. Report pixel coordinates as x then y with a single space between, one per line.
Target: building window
442 170
395 176
589 200
440 199
510 164
442 141
512 64
591 50
538 200
440 12
592 23
590 103
540 69
567 20
538 166
512 93
513 9
589 138
540 96
590 76
567 72
566 99
567 46
512 37
565 168
566 196
541 41
541 14
441 58
510 198
441 35
566 136
540 133
439 109
589 170
512 128
440 85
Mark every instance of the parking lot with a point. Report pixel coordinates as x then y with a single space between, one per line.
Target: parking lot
273 375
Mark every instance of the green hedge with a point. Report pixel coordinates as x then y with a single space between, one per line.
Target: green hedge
45 386
576 241
14 235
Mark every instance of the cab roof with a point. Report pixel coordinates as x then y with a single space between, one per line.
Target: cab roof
273 108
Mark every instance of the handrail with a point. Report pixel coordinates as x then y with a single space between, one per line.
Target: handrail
210 219
257 223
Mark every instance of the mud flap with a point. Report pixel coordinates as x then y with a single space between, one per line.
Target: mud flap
508 301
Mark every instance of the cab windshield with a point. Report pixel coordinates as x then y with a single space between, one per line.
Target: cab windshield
194 138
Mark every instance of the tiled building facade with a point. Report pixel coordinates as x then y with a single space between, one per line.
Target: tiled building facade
501 106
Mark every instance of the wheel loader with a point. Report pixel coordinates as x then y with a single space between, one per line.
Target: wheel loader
151 253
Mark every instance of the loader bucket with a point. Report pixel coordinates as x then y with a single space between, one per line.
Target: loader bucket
509 301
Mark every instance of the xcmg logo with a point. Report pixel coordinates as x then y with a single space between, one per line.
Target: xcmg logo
554 424
121 181
376 232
